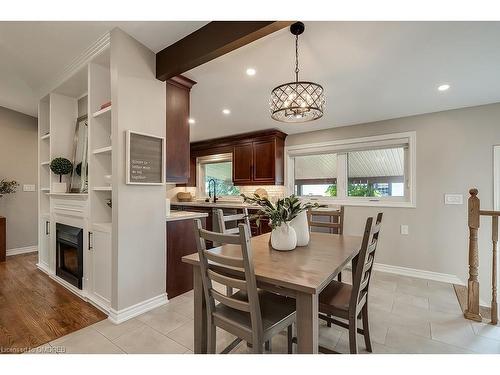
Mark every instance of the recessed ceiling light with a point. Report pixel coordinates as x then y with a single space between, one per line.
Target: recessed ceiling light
443 87
191 121
226 111
251 71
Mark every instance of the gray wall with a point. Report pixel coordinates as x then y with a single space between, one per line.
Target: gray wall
454 153
18 161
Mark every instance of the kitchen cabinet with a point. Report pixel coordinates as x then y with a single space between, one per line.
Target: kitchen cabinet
177 129
260 162
44 246
243 164
180 241
99 287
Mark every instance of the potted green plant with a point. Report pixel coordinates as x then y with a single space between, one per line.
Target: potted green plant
60 166
281 215
7 187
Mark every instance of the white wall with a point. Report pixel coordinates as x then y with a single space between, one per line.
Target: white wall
454 153
138 101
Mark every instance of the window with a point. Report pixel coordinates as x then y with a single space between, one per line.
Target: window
220 169
376 170
316 175
376 173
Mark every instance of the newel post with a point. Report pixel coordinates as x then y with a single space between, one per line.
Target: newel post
472 311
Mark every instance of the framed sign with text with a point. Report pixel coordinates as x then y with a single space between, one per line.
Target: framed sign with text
145 155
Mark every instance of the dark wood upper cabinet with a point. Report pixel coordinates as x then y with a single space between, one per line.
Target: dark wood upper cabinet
177 136
258 157
243 164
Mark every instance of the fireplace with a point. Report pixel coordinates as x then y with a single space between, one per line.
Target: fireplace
69 262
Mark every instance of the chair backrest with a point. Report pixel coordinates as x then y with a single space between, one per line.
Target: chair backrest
236 218
335 220
231 271
362 269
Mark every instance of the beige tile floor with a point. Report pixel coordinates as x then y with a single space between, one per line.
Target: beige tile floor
407 315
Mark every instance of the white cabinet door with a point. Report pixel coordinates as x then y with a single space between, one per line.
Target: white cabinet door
101 267
44 243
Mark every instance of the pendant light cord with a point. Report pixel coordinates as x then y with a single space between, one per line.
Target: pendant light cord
296 58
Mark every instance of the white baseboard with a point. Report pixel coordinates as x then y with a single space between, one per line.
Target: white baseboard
421 274
22 250
120 316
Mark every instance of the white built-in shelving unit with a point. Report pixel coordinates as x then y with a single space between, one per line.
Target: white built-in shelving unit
58 111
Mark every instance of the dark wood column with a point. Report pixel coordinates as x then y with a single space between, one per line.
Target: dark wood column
178 159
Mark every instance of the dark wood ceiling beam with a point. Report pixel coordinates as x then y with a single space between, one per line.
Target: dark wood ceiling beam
209 42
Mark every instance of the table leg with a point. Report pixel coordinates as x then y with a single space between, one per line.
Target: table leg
307 323
200 314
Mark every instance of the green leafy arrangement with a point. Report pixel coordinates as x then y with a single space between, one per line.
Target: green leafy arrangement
8 187
61 166
355 190
283 211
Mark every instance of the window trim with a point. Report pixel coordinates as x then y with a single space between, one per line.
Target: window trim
200 176
353 144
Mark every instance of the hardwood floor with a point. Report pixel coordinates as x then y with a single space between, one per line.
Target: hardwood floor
34 309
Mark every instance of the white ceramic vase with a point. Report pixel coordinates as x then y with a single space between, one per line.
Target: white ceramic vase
283 238
59 187
301 227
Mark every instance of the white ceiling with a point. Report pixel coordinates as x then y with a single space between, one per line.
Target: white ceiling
33 53
370 71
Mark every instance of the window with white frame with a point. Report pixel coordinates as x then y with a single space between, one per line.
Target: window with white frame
376 170
220 169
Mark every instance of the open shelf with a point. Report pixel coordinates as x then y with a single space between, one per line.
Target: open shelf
102 188
46 136
103 112
45 189
102 150
45 163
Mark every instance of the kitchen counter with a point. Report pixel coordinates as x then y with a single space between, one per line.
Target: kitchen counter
223 204
183 215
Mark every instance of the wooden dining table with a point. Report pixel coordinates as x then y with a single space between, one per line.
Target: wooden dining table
301 273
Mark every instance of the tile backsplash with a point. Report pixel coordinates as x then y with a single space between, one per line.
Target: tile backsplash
275 191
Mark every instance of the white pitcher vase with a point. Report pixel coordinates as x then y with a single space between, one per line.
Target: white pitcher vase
300 225
283 238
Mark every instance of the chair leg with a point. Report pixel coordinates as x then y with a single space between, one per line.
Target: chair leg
339 277
290 338
353 331
257 347
268 346
366 328
328 323
229 291
211 337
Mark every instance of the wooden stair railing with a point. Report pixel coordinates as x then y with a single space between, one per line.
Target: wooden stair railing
474 215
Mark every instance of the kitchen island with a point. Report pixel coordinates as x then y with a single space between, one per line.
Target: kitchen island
181 241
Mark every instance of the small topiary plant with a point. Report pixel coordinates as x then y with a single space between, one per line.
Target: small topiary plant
61 166
8 187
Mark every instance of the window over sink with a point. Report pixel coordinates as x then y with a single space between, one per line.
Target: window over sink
220 169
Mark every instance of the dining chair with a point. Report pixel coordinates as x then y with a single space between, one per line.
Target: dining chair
222 227
335 223
250 314
350 302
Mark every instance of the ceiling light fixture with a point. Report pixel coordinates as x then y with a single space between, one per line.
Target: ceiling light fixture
444 87
251 72
191 121
298 101
226 111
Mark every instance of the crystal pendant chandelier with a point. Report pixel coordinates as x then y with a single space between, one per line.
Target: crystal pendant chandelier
298 101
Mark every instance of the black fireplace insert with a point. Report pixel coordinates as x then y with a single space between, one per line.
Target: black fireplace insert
69 263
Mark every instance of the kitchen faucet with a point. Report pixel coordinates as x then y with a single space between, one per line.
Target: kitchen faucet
215 190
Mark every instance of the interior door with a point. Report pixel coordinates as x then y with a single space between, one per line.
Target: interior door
243 164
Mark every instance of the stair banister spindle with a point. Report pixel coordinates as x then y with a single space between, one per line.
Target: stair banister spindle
494 239
472 311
